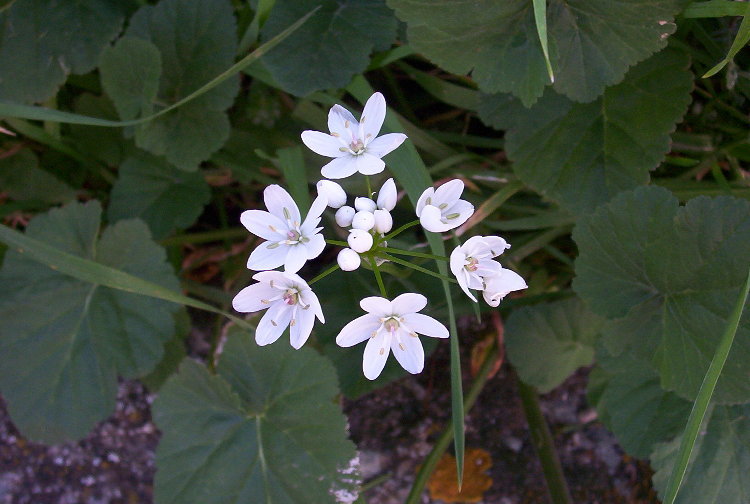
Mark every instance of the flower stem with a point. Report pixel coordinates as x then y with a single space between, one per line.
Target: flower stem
337 242
369 187
418 268
401 229
378 277
414 254
324 274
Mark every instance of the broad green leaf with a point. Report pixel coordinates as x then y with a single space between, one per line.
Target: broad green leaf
197 42
675 273
64 341
105 144
151 189
42 41
174 353
592 42
266 428
130 72
22 179
634 407
332 47
719 471
583 154
547 342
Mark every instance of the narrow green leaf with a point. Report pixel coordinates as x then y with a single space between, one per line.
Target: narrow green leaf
540 18
11 109
714 8
700 406
292 165
742 38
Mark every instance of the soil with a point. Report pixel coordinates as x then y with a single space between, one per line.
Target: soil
394 428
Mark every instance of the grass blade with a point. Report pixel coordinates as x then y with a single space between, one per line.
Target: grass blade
742 38
714 8
701 403
17 110
540 18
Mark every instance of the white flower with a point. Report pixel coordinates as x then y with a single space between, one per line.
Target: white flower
348 259
360 240
355 146
383 221
290 241
391 325
290 302
344 216
441 209
387 195
473 267
333 192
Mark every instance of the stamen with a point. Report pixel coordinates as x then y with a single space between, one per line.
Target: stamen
272 245
334 134
382 351
428 201
265 301
292 322
274 323
401 347
286 213
346 124
362 120
443 206
373 334
272 228
453 216
343 149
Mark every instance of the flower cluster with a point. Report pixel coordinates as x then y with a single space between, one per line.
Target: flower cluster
290 241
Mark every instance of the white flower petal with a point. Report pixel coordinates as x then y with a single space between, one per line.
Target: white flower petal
388 195
317 208
496 245
367 164
422 201
372 118
458 213
325 145
281 204
448 192
276 279
475 247
273 323
295 258
358 330
300 327
378 306
488 268
315 246
309 298
250 299
408 351
498 286
267 256
408 302
340 167
342 122
376 353
264 224
457 263
426 325
431 220
385 144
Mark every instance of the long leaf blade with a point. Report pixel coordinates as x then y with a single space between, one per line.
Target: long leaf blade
540 18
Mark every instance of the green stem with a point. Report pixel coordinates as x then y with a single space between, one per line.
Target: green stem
445 438
207 237
414 254
401 230
419 268
324 274
369 187
544 445
337 242
378 277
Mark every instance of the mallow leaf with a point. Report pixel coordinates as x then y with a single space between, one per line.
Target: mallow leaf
265 428
22 179
331 47
63 341
592 42
197 41
150 188
719 469
547 342
42 41
675 273
581 155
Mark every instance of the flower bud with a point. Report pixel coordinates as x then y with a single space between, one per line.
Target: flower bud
363 220
365 204
383 221
334 192
387 195
344 216
348 259
360 240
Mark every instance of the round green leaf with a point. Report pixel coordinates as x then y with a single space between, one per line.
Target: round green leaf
64 341
266 429
592 42
547 342
164 197
331 47
675 272
719 471
197 41
41 41
22 179
581 155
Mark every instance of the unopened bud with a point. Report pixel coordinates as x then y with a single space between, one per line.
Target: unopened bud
365 204
383 221
344 216
387 195
348 259
360 240
333 191
363 220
